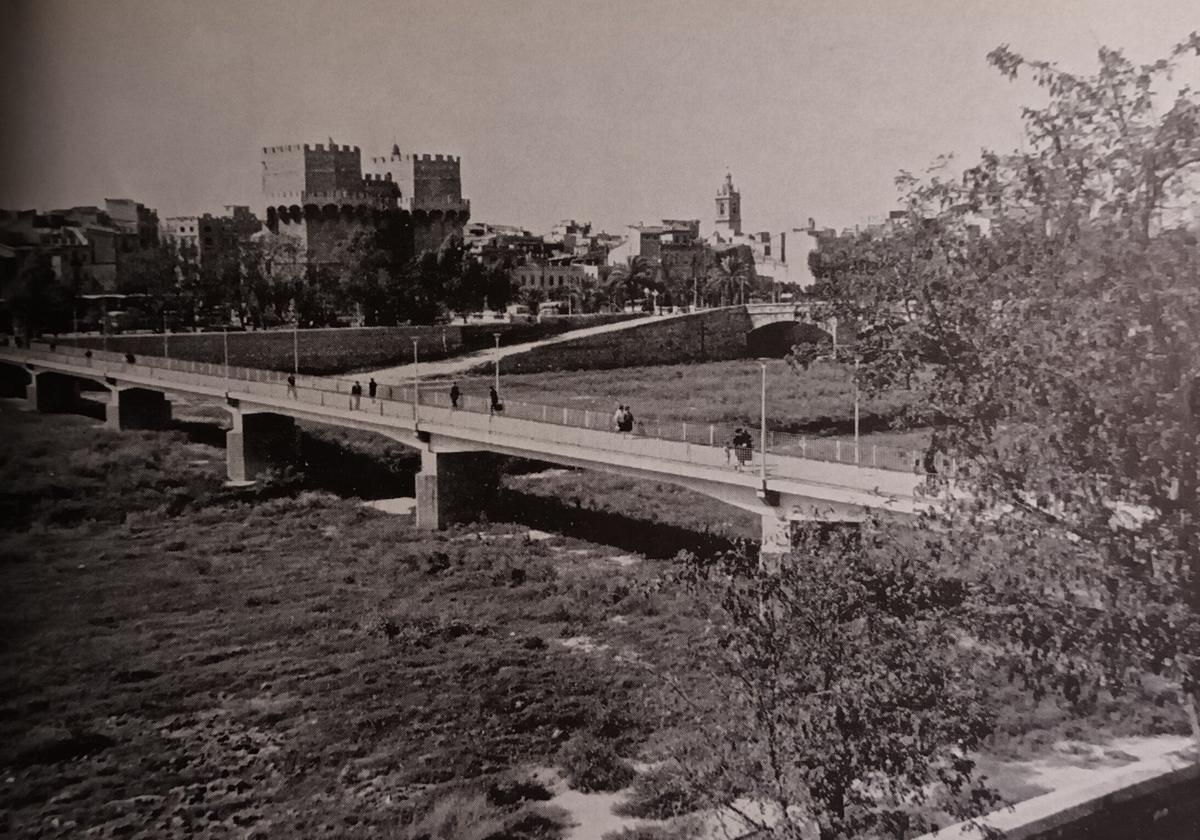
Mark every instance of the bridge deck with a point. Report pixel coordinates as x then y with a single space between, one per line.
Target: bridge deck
525 430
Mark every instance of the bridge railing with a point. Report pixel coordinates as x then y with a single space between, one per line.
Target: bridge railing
716 435
708 442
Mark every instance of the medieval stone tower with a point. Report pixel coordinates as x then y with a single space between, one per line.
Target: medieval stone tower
320 196
729 209
429 189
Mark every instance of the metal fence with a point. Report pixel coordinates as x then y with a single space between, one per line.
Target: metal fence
397 401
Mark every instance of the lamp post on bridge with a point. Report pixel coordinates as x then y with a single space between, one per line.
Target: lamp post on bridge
856 449
762 443
296 346
225 349
496 377
416 379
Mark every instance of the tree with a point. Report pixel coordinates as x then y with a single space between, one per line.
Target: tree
40 300
728 276
829 690
1050 297
627 282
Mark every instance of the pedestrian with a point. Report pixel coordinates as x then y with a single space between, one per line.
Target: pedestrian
130 359
619 418
627 421
454 395
496 405
930 460
87 354
372 388
356 396
742 443
291 381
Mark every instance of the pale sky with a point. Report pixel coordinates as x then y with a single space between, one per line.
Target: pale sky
614 112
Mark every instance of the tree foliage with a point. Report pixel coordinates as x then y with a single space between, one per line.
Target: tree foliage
1052 298
830 693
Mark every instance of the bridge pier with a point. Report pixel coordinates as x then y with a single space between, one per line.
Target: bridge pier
14 381
52 392
258 442
777 533
137 408
454 487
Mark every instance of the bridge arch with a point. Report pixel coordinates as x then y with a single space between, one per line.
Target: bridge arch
775 340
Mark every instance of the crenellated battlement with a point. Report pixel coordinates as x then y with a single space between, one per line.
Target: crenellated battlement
292 148
406 157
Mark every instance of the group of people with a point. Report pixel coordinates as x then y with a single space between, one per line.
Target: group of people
623 419
356 391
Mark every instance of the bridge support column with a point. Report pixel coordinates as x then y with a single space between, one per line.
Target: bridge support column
258 442
454 487
14 381
776 536
137 408
52 392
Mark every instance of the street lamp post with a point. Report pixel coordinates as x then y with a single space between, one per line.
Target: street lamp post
166 337
762 443
225 348
296 347
856 450
416 379
497 371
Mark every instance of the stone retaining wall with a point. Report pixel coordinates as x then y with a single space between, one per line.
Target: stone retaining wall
714 335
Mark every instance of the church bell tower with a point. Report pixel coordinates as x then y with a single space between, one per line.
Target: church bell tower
729 209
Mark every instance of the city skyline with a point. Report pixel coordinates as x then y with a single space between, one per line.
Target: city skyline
614 115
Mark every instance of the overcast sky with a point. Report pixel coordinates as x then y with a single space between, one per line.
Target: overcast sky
614 112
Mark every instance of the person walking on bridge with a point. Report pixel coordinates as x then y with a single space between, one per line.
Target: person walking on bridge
291 391
454 395
356 396
372 389
619 418
496 405
743 446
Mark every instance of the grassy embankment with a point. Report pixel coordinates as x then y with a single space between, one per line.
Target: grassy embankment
182 657
818 401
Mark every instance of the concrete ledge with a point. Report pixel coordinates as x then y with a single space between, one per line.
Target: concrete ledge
1158 798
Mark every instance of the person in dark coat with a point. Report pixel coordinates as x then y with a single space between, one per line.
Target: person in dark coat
291 381
495 400
356 395
372 388
743 444
454 395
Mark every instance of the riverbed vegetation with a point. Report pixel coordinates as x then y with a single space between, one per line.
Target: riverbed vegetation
279 660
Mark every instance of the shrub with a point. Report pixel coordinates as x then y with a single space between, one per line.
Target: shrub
592 764
509 791
465 815
660 793
680 830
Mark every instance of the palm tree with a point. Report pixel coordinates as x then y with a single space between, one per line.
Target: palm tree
625 282
727 278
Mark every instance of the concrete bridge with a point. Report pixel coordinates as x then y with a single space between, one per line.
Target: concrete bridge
458 446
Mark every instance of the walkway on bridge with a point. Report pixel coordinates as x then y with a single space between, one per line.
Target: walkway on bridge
791 487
